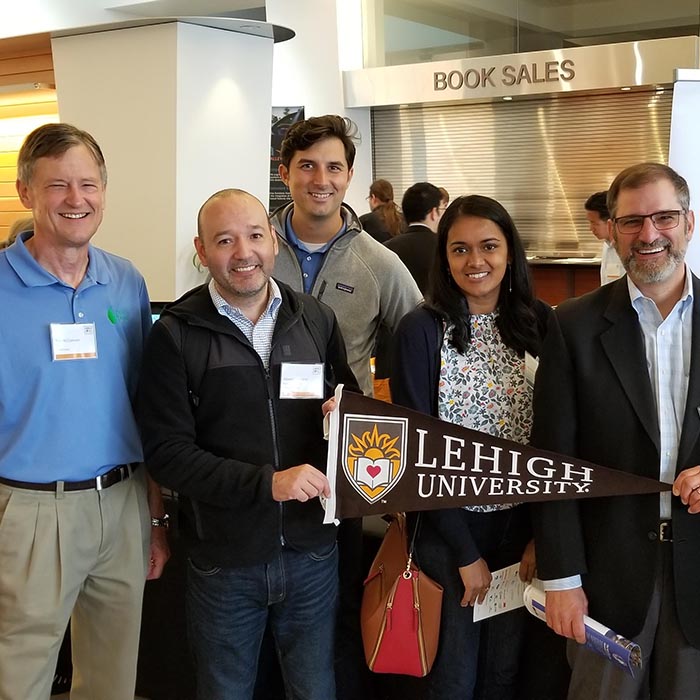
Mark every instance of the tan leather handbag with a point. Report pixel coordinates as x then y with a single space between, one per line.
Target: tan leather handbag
400 614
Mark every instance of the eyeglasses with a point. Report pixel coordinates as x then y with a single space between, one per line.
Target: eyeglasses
662 220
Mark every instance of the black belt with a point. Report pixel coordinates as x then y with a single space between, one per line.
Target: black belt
119 473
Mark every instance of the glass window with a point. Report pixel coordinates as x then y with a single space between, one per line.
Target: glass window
418 31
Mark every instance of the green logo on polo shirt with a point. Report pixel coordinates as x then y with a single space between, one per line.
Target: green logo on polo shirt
116 316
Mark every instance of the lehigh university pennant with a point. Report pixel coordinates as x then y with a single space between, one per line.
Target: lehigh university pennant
383 458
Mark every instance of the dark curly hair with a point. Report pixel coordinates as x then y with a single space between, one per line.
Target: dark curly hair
517 319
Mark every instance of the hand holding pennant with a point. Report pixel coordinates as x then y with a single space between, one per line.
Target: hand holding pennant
384 458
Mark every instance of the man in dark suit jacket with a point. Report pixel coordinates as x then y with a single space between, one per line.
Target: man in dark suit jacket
618 385
422 208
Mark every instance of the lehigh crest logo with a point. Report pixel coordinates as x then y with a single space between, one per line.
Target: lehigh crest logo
374 453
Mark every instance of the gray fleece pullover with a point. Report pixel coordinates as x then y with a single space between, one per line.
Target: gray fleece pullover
365 283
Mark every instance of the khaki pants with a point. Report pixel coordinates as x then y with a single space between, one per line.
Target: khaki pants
80 555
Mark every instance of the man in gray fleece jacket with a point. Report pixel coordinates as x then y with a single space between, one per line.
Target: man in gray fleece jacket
323 249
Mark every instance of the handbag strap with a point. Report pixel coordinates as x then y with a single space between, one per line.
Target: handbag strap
411 546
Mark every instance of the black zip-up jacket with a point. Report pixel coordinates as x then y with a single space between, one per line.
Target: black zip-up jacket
214 428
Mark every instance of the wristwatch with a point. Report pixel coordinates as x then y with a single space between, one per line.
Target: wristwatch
161 522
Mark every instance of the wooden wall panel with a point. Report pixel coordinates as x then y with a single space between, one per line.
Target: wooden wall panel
26 59
7 189
40 106
556 283
23 61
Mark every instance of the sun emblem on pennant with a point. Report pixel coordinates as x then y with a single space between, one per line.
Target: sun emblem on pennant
374 454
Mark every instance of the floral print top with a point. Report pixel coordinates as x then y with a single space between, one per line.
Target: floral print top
485 389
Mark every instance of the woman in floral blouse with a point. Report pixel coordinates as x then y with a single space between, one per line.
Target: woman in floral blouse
461 357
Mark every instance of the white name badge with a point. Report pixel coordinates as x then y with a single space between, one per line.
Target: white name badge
73 341
301 381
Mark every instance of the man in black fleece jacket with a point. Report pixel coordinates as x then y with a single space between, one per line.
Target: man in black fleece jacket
230 407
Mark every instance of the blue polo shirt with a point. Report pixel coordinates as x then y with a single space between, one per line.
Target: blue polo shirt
310 261
68 420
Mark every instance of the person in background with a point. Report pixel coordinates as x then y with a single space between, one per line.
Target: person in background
597 214
384 220
445 202
235 373
422 209
618 385
461 357
26 223
77 539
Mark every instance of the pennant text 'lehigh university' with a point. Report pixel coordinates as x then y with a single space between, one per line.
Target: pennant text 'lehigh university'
383 458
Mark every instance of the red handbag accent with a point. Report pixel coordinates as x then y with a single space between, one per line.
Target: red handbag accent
400 615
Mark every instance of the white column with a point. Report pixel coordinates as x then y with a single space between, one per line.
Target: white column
685 147
180 112
308 69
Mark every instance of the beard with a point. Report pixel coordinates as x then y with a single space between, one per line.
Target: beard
652 271
242 291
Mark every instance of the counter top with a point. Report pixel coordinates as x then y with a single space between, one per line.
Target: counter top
584 262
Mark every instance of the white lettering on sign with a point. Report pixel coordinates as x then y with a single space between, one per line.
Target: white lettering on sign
491 471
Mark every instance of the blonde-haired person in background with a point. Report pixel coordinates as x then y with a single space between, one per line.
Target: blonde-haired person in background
16 227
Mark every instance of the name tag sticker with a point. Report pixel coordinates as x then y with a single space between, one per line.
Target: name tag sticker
73 341
301 381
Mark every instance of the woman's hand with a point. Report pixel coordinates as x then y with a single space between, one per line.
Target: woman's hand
476 578
527 568
328 406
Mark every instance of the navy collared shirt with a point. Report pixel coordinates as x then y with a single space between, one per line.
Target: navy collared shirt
310 261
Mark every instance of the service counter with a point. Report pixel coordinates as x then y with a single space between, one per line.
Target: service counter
557 279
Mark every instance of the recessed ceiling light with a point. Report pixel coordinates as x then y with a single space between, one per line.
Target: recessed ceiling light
507 98
626 88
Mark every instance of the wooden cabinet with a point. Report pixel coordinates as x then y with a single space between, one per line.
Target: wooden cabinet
555 282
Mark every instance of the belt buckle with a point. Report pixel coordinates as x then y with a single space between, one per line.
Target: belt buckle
665 534
103 481
113 476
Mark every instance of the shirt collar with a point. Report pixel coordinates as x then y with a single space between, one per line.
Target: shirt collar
299 245
33 274
686 295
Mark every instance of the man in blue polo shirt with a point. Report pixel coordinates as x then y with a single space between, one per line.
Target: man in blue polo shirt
75 526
